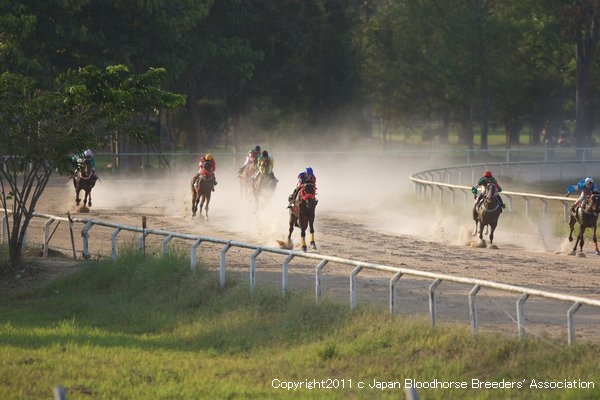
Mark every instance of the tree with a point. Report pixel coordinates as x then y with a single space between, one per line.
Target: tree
582 23
42 128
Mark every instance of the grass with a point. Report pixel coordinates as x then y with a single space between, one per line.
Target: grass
149 328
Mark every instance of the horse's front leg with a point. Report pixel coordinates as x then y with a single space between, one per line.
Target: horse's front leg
571 227
595 241
292 223
88 196
303 237
206 210
580 239
492 229
313 245
77 199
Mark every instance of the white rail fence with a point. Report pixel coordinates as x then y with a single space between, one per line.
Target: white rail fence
451 180
321 262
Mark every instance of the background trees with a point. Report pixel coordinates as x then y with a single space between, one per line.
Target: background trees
42 128
256 70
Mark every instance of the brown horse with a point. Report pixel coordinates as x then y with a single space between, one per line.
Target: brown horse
202 188
487 212
84 179
264 186
302 215
587 217
245 177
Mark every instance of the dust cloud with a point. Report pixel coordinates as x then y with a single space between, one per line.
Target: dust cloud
370 190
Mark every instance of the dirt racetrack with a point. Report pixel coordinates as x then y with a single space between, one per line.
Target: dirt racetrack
369 216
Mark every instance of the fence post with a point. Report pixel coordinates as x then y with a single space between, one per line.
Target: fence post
521 315
318 270
473 308
393 281
432 311
85 235
571 322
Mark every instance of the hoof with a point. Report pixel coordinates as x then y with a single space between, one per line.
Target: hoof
313 245
581 254
304 249
572 253
285 245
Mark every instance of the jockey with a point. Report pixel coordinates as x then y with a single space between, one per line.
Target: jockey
483 181
251 158
207 164
89 156
265 165
306 176
587 187
82 158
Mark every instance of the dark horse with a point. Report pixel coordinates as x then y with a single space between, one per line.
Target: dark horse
587 217
302 215
245 177
84 179
264 185
202 187
487 212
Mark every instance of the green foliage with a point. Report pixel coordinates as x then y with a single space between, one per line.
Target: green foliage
42 128
145 328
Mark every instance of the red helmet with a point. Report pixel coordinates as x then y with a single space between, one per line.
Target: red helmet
487 173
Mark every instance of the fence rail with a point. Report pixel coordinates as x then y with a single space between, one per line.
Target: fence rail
322 262
451 180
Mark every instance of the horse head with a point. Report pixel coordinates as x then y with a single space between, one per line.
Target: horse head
85 168
491 191
593 204
306 195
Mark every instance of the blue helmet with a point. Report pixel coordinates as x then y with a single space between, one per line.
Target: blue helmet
309 171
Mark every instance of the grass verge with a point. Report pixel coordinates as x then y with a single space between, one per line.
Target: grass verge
149 328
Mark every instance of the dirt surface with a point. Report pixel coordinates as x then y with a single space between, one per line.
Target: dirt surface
374 218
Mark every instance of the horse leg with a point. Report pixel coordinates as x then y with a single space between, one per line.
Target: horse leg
88 195
571 227
202 200
292 223
303 234
77 199
580 238
492 229
311 222
595 240
206 208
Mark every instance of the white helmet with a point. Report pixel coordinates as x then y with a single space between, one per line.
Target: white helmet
88 153
589 180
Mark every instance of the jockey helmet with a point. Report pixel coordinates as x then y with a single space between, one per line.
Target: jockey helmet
589 180
257 149
88 153
265 154
487 173
309 170
208 157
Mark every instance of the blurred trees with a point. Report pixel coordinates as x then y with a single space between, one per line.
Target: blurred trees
289 69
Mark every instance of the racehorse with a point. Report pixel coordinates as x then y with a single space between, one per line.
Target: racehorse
245 177
587 217
487 212
202 187
302 215
263 186
84 179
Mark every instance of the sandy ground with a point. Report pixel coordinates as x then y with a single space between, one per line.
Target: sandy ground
372 217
